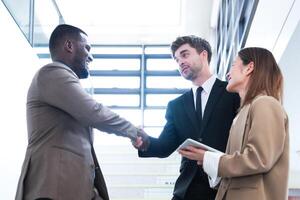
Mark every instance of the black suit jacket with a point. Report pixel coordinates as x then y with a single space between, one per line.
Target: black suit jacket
182 123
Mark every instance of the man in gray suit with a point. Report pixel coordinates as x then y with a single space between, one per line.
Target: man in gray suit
60 161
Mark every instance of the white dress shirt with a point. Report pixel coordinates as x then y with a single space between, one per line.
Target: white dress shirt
211 159
207 86
210 166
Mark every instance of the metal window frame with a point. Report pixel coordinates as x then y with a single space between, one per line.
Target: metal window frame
234 22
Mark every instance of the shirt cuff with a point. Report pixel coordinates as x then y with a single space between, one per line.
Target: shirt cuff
210 166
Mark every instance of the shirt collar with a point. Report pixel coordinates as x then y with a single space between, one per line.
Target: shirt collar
207 85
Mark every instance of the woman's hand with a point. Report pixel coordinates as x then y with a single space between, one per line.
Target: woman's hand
193 153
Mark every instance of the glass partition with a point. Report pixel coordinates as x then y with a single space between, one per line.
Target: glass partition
35 18
20 10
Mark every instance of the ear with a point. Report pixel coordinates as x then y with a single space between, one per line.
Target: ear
249 68
68 46
204 54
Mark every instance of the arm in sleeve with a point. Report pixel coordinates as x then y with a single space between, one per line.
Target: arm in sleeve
62 89
167 142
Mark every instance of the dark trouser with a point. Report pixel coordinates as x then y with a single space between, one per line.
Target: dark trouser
199 189
193 194
190 197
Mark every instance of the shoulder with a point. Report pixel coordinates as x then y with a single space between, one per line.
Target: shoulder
180 98
220 85
56 74
267 104
56 70
264 100
56 66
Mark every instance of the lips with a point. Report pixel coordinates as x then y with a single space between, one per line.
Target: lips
183 69
87 64
228 77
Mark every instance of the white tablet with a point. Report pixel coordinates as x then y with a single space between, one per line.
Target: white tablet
191 142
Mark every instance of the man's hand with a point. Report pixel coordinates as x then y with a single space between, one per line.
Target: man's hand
142 142
145 138
137 142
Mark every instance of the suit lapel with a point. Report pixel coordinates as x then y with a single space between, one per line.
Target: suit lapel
237 132
214 97
189 107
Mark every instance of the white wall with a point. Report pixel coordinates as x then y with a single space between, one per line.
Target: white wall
273 25
18 64
290 67
196 17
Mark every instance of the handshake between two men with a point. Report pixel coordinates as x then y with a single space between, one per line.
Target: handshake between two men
142 141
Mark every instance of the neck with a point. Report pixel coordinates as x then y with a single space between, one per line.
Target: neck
61 61
242 95
243 89
201 78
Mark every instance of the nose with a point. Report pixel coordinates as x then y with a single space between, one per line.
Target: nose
180 62
90 57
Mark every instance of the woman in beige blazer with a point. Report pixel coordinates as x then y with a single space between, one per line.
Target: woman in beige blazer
256 162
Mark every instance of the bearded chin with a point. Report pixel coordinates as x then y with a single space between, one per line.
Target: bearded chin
189 76
83 74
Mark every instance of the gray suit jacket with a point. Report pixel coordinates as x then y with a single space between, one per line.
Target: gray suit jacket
60 162
257 161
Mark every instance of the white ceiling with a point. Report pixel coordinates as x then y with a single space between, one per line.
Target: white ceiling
138 21
161 21
273 25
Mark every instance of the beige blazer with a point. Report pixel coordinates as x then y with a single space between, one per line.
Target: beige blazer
60 162
256 162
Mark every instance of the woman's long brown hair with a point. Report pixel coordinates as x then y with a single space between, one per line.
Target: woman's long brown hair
266 77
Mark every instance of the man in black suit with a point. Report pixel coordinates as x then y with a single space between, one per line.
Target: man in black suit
205 118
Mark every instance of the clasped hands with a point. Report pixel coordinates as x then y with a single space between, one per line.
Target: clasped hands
142 141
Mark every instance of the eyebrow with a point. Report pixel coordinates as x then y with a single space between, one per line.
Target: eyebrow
183 51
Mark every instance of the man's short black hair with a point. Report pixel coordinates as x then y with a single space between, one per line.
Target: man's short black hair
198 43
60 33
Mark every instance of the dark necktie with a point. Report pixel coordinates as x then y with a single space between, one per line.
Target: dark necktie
198 104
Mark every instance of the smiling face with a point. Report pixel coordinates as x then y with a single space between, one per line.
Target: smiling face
190 61
238 76
82 56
